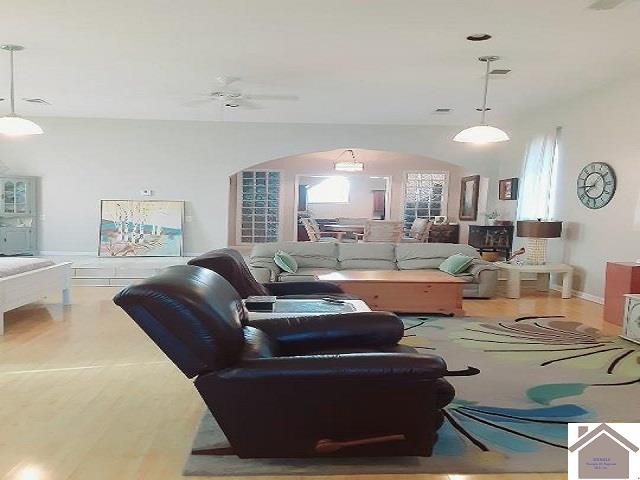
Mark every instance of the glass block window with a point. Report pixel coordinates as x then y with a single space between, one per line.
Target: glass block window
425 196
259 206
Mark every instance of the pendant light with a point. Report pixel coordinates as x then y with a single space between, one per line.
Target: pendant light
13 124
483 133
349 166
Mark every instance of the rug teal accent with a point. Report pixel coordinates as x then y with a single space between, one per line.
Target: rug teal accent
536 374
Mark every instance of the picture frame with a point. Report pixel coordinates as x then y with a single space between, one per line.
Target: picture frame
508 189
469 190
141 228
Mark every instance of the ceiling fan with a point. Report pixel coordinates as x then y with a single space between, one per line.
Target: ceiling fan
229 97
32 100
607 4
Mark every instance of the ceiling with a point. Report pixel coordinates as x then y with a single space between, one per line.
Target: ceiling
348 61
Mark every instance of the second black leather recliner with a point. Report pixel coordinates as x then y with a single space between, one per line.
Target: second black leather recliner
231 265
269 390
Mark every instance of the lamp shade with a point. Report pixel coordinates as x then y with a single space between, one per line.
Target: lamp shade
481 134
539 229
15 126
349 166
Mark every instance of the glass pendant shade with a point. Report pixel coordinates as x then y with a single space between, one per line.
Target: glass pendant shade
13 124
16 126
481 134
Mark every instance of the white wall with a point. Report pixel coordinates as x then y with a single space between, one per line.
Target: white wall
81 161
602 126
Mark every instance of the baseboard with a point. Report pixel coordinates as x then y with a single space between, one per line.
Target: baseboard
55 253
580 294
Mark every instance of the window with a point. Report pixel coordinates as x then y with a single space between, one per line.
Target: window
537 188
425 195
329 190
259 206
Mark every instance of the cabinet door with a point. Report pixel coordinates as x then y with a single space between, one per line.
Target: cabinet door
16 240
21 197
9 196
17 196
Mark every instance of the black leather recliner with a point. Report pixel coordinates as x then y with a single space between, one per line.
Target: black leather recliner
231 265
270 394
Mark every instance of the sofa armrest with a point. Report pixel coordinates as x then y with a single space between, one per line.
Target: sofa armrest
478 266
400 366
302 288
262 274
487 281
312 333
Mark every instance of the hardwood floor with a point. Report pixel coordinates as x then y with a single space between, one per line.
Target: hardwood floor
92 397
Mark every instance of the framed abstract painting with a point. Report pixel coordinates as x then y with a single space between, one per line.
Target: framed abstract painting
141 228
508 189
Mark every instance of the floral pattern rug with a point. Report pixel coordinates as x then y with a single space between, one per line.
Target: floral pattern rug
536 375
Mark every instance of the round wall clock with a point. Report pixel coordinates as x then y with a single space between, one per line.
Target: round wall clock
596 185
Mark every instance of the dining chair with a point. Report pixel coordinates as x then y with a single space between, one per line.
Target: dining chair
314 233
419 232
387 231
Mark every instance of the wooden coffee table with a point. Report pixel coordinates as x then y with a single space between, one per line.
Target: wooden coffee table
404 291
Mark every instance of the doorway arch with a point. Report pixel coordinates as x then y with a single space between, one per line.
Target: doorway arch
376 163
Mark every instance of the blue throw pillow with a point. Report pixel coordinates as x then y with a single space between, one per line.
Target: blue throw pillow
285 261
456 264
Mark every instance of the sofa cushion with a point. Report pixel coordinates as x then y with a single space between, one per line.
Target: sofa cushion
285 261
366 256
418 256
456 264
306 254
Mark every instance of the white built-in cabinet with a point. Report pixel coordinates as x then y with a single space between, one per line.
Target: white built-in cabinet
18 216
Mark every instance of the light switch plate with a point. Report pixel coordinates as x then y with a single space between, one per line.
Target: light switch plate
188 218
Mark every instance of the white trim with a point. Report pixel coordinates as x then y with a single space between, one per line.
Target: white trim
583 295
66 253
57 253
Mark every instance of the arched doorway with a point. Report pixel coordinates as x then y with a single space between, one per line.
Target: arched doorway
277 217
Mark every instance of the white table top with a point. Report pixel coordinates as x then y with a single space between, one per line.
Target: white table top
358 306
547 268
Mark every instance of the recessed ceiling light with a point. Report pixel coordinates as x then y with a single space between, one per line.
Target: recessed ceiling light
478 37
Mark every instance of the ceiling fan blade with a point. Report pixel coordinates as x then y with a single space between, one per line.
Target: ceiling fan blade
41 101
605 4
225 80
197 103
248 105
272 97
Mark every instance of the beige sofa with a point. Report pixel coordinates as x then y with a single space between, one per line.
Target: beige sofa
317 258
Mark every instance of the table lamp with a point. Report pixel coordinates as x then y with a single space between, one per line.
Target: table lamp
537 232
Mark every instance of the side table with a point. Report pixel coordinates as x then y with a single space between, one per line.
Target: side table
543 273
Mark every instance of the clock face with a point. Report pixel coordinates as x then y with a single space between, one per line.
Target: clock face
596 185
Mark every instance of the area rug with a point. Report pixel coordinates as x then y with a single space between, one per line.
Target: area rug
536 375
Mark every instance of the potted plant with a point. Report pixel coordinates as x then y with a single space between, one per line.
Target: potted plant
491 217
